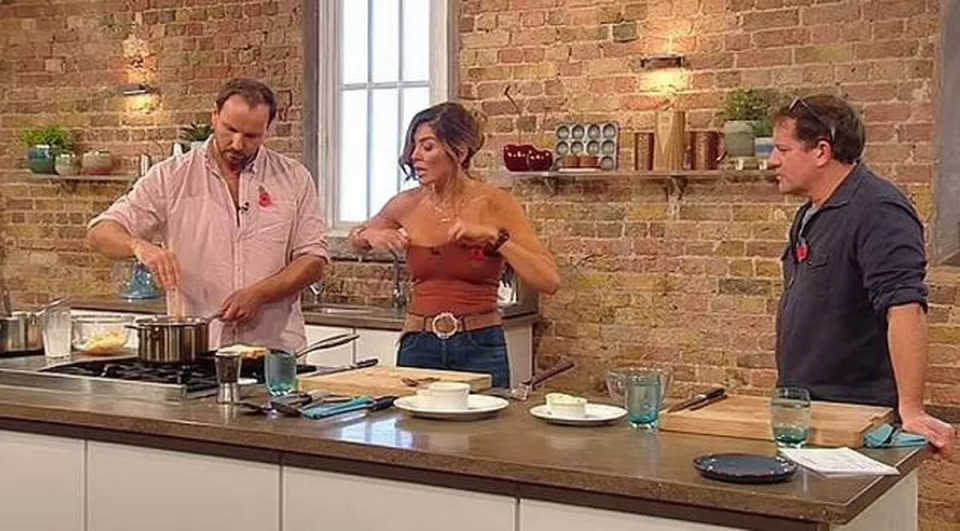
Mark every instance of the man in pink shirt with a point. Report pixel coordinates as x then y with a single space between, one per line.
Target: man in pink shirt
241 226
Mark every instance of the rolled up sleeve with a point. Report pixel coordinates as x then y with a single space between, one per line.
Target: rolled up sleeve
142 211
891 256
309 236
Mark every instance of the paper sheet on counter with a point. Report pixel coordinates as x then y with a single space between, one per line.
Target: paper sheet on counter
837 461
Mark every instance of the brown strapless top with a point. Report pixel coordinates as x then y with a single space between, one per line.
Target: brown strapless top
453 278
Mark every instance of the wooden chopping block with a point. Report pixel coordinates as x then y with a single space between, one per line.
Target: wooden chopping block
748 417
382 381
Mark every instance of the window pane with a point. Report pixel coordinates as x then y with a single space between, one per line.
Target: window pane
353 51
416 40
414 101
352 195
386 40
384 147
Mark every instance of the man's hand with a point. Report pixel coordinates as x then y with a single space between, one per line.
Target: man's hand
472 234
941 435
395 240
241 305
161 262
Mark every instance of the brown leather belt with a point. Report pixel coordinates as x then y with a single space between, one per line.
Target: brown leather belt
445 325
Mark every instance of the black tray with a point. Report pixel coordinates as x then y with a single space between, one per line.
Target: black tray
745 468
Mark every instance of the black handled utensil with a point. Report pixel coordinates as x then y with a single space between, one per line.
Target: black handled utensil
708 401
696 399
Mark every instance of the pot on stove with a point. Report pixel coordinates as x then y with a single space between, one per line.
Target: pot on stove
166 339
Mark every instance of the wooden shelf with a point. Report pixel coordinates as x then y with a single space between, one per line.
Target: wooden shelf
673 181
112 178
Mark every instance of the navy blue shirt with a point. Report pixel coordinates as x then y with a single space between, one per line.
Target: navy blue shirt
858 255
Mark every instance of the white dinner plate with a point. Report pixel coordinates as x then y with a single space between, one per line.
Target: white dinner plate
479 407
597 414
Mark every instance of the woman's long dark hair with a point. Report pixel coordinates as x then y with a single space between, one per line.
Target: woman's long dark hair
458 131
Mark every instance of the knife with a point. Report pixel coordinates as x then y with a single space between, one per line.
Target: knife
708 401
702 397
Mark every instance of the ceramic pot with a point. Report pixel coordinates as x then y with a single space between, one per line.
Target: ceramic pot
540 160
67 163
41 158
97 162
738 138
515 156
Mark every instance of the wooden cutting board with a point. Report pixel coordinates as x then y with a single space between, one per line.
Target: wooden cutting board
748 417
382 381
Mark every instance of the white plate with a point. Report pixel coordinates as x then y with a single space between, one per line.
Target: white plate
597 414
479 406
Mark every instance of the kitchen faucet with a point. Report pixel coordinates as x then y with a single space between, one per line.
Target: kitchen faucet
317 290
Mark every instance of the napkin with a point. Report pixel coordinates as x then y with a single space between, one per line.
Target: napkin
890 436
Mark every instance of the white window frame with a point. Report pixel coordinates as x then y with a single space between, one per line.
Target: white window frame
442 51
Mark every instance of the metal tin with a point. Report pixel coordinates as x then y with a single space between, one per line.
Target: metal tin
20 332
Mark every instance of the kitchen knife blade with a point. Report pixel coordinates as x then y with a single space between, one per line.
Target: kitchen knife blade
702 397
708 401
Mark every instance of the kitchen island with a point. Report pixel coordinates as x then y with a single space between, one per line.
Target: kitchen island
84 462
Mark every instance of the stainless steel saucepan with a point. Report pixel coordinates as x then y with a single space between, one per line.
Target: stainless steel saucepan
166 339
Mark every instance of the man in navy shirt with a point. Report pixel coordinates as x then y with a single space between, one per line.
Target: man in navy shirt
851 325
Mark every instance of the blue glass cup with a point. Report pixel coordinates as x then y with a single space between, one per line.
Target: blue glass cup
280 373
641 390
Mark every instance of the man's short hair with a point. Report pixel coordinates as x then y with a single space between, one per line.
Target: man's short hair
252 91
828 118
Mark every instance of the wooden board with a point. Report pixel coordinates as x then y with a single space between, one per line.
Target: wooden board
748 417
381 381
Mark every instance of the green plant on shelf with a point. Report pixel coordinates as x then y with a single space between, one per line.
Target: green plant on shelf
196 132
748 105
53 136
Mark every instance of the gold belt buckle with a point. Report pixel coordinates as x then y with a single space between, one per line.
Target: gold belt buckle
441 331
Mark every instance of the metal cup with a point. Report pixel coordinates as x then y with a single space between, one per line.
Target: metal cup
228 376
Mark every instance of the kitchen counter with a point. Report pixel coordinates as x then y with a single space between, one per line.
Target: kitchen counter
372 317
514 454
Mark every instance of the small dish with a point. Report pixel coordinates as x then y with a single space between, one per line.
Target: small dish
745 468
593 147
578 132
563 132
576 148
479 407
593 131
596 415
609 131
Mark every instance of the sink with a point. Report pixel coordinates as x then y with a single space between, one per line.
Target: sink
339 309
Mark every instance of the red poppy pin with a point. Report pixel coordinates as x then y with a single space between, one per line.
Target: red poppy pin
476 253
263 198
802 251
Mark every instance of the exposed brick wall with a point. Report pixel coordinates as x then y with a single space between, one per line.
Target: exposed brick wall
64 62
690 283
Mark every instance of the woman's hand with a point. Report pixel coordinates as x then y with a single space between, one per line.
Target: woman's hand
473 234
394 240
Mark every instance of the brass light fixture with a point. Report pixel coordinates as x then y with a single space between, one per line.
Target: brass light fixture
136 89
656 62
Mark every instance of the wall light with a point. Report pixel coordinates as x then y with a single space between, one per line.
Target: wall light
135 89
657 62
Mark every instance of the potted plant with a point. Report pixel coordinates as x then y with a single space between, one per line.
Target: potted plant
196 134
742 110
43 146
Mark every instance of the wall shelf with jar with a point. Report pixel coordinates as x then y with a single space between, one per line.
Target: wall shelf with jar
674 181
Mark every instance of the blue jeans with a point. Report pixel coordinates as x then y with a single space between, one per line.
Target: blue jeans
482 351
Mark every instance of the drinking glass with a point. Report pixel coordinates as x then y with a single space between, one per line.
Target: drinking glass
56 326
280 370
790 416
641 391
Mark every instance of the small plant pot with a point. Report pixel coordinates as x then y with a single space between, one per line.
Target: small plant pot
738 138
97 162
762 149
67 163
41 159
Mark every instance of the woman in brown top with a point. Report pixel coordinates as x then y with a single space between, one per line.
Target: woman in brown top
459 234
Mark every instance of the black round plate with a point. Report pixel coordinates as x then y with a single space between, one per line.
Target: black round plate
745 468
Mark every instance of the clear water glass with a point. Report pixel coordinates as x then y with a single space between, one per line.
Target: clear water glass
641 390
56 326
280 370
790 416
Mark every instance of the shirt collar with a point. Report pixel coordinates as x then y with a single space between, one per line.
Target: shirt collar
254 170
847 189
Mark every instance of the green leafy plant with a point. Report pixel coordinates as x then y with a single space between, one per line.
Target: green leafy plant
762 128
53 136
196 132
748 105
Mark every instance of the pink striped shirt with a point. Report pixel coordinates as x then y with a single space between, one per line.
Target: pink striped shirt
220 248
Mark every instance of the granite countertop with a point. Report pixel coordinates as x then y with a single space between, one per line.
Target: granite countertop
513 453
372 317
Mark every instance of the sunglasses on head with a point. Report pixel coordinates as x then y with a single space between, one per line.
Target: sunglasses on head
830 128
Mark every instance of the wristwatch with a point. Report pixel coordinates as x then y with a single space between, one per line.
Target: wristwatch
502 237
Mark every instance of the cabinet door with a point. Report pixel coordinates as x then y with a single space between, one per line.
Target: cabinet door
157 490
545 516
380 344
342 355
314 500
520 353
41 482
